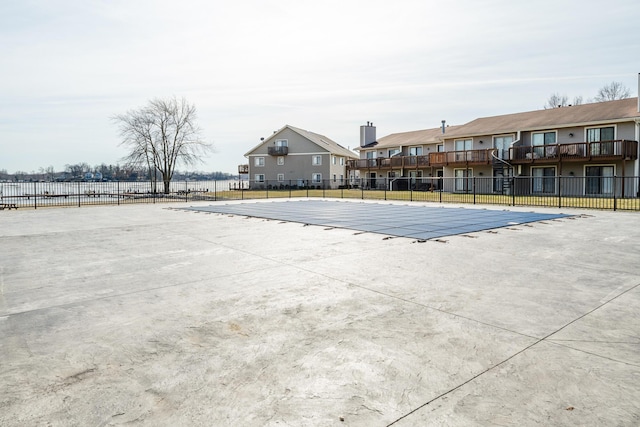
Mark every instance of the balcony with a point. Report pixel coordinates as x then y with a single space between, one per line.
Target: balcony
243 169
454 158
388 163
552 153
461 158
278 151
576 152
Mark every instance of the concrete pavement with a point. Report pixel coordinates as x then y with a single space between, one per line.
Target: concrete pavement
151 315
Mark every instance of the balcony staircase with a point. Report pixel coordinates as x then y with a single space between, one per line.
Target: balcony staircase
502 168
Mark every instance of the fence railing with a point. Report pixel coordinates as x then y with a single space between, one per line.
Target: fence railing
594 192
50 194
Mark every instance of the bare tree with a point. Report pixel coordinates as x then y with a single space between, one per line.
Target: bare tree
78 170
161 135
556 100
612 91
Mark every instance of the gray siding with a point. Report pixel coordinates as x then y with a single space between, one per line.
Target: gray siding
298 163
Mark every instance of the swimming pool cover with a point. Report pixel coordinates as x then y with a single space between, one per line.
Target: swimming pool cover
416 222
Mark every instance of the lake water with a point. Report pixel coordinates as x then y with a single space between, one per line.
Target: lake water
65 193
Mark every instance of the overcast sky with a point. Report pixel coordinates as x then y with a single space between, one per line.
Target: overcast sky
252 66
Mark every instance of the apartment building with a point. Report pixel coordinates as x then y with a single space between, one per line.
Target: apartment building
594 141
296 157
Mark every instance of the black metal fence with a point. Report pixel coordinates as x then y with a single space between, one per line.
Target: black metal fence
58 194
594 192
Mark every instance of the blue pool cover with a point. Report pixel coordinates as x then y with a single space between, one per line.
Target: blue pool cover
416 222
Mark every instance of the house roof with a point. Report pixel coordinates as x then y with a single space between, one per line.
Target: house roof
620 110
320 140
416 137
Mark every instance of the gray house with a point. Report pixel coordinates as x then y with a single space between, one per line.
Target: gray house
294 157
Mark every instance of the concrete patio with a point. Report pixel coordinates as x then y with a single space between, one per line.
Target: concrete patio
153 315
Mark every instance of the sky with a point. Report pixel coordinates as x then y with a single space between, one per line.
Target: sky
251 67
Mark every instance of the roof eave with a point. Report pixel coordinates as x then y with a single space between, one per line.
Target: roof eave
536 128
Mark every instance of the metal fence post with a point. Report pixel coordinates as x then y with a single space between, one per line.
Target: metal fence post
474 189
78 193
559 191
615 201
118 192
386 183
513 190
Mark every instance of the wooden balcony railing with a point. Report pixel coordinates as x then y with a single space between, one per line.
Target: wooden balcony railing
580 151
390 162
454 158
470 157
243 169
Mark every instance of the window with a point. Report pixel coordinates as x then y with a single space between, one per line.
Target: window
371 154
316 178
393 152
463 179
341 179
499 180
372 179
440 148
259 177
341 161
258 161
280 177
415 151
463 145
543 138
415 178
316 160
501 144
280 160
600 134
544 180
539 140
334 160
601 140
282 143
335 177
599 180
